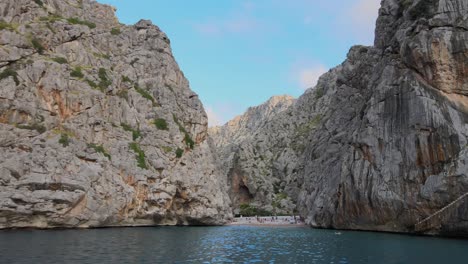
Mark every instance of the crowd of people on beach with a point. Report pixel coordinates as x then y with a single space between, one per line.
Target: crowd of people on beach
278 220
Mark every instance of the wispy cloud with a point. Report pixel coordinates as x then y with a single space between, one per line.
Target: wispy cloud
308 77
241 24
238 21
235 24
308 20
207 28
248 6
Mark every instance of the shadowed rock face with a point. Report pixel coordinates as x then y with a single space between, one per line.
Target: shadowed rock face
381 142
98 126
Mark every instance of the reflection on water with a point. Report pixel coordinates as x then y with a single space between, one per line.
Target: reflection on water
231 244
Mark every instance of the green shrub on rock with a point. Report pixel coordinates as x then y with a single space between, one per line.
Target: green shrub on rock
135 133
52 18
5 25
161 124
187 138
92 84
77 73
39 3
35 126
37 45
115 31
100 149
122 94
189 141
319 93
140 157
250 210
8 72
64 140
77 21
60 60
166 149
145 94
179 152
104 80
126 79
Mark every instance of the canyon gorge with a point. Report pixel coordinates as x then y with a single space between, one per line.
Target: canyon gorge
99 127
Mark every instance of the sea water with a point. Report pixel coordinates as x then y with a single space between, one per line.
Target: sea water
229 244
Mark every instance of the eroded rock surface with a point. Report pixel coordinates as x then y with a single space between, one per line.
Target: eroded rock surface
98 125
381 142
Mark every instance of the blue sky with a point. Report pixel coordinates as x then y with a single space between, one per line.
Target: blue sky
239 53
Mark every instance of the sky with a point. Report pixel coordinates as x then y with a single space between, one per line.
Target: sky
239 53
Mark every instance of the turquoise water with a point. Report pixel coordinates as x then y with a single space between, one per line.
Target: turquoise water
231 244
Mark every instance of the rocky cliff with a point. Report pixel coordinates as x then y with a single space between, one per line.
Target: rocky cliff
381 142
98 125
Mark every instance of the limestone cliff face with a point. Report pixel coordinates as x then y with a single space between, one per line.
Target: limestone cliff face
98 125
245 147
383 137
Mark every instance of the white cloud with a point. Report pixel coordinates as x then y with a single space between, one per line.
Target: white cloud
220 113
213 118
363 15
309 76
